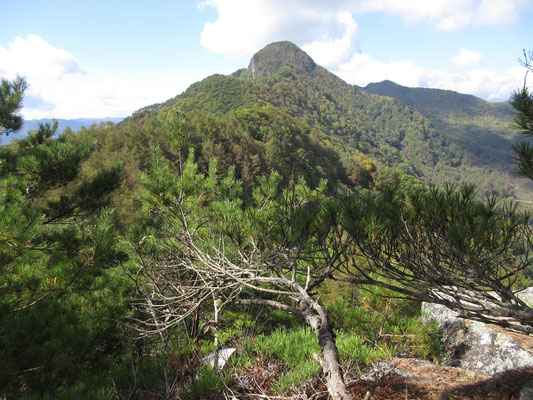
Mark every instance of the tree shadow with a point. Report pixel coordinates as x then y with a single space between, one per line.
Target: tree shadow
505 385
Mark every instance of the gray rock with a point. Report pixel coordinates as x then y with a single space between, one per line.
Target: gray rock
527 391
485 349
526 296
222 357
448 319
479 347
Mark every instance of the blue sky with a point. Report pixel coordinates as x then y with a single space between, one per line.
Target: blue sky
110 58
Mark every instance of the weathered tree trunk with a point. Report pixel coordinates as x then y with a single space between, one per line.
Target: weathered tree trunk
317 318
216 308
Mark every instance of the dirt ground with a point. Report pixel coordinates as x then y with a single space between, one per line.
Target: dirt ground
416 379
411 379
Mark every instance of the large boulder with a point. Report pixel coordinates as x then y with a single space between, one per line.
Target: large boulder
482 348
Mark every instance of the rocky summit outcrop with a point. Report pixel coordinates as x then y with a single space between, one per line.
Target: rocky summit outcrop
277 55
478 347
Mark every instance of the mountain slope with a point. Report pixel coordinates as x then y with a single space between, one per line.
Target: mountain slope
456 114
437 103
474 125
283 76
287 113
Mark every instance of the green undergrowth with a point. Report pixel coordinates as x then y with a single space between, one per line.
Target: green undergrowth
275 351
286 354
368 328
74 393
207 383
386 329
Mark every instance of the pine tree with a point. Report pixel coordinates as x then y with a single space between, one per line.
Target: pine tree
207 245
522 101
11 95
443 246
58 248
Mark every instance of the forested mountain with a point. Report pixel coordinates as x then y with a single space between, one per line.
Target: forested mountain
445 104
411 133
287 113
435 135
482 129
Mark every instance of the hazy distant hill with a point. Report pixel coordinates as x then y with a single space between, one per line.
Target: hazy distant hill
449 109
441 103
479 126
74 124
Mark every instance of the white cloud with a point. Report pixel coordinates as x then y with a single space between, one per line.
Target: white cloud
244 26
326 31
362 70
241 28
34 57
61 87
465 58
451 14
484 83
418 10
101 96
329 51
493 12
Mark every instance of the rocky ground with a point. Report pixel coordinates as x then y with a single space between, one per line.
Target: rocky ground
417 379
413 379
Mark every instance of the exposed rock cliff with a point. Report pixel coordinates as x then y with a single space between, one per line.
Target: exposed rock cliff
478 347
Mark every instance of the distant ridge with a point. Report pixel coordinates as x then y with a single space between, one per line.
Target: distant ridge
439 102
74 124
483 127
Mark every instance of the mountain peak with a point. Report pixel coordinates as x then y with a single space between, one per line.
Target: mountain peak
386 82
277 55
